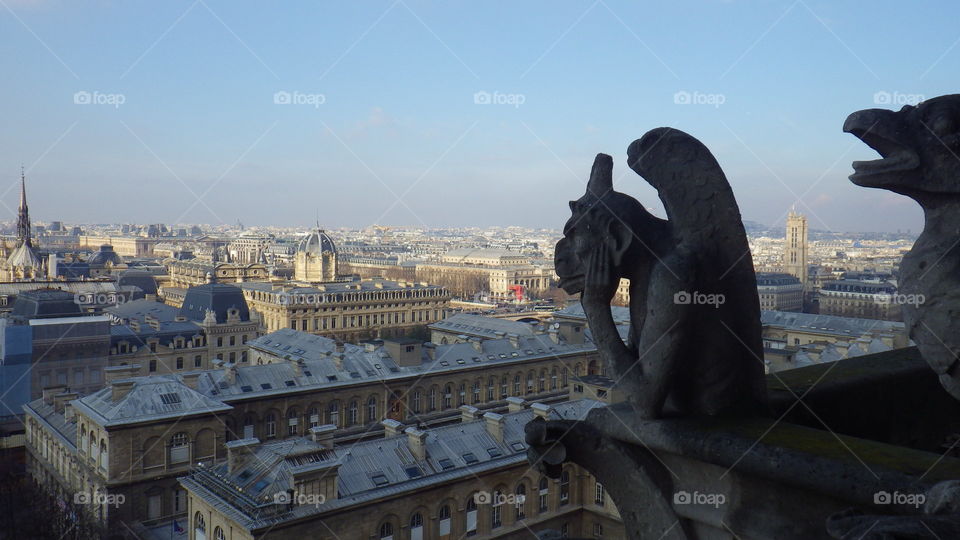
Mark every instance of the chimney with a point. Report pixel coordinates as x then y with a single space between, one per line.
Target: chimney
230 373
238 449
469 413
541 410
391 428
431 349
121 388
191 380
51 391
337 358
514 340
323 435
60 401
516 404
417 440
571 332
554 334
339 346
297 367
114 373
494 425
477 344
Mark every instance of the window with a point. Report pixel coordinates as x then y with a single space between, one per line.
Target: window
292 422
476 392
233 340
564 487
516 385
179 362
598 494
447 396
352 419
415 405
386 531
199 527
179 449
542 382
153 366
553 379
598 530
333 413
503 387
416 526
271 425
491 384
542 494
179 501
218 534
444 520
372 409
496 515
248 427
521 501
197 361
219 342
471 516
530 382
314 417
432 399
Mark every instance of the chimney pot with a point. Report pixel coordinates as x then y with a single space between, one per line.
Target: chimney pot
391 428
515 404
494 425
469 413
323 435
417 440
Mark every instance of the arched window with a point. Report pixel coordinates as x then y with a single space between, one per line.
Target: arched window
248 422
471 515
563 376
218 532
372 409
521 501
564 487
179 449
386 531
476 391
516 384
271 421
553 379
314 416
199 527
293 421
354 413
598 496
462 397
415 401
496 514
530 382
542 382
103 454
432 399
503 387
542 493
447 396
333 413
83 438
443 520
94 449
416 526
491 387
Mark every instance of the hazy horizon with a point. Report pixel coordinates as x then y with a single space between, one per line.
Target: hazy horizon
426 114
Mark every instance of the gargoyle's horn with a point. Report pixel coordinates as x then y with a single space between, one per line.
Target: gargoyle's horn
601 177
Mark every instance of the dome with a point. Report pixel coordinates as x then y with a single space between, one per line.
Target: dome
104 256
316 243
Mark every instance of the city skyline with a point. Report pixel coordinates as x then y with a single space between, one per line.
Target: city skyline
215 112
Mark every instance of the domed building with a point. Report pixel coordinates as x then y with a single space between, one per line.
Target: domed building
316 258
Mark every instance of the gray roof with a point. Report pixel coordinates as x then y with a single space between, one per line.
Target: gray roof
45 303
138 309
367 470
149 398
479 326
65 430
828 324
215 297
621 315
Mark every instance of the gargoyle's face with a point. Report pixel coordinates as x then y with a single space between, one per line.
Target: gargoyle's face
568 252
919 147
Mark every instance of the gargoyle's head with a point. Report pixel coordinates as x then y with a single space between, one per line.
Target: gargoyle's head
606 230
919 148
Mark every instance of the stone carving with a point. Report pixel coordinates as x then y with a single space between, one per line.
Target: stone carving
920 158
920 148
694 345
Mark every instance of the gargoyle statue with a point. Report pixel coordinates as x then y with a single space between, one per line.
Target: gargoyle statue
919 148
694 344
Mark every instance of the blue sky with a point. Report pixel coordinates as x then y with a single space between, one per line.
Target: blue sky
399 139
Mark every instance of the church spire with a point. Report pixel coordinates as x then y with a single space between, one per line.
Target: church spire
23 214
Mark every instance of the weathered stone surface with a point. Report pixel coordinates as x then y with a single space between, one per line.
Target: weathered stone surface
695 343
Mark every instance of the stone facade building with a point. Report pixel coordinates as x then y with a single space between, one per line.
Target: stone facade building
796 247
780 292
863 299
183 274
